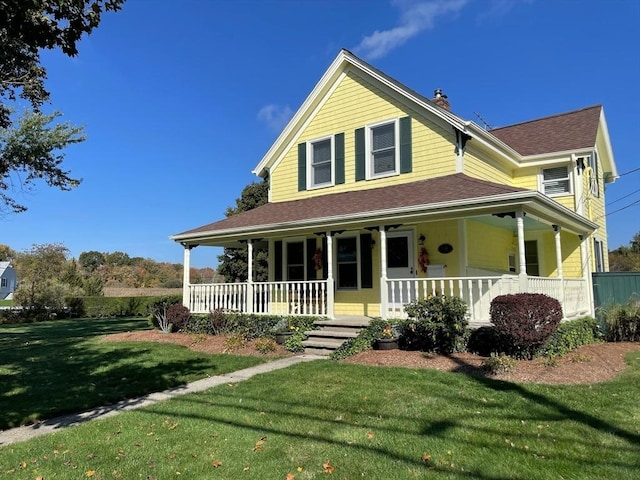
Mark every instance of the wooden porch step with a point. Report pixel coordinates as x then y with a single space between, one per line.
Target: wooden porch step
334 333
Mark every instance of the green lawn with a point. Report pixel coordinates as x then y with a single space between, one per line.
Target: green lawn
358 422
51 368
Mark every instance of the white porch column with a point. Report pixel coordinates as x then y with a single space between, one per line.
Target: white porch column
185 275
556 229
522 259
384 289
586 272
249 300
330 280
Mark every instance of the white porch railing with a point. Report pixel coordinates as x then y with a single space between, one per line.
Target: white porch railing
274 298
477 292
310 297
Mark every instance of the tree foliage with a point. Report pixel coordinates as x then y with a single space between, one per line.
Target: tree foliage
626 259
233 263
29 146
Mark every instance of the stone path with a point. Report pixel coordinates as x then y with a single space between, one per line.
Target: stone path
47 426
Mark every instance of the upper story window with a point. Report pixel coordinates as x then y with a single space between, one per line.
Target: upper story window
321 161
382 149
556 181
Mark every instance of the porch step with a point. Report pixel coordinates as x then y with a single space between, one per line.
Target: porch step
330 334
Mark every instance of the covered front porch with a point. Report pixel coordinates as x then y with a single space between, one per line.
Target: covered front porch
370 253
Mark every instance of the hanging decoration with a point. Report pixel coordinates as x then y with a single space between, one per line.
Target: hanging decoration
423 259
317 259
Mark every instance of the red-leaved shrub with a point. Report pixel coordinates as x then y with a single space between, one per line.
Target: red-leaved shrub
178 315
525 321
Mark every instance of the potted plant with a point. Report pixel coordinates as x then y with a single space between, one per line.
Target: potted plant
283 330
388 339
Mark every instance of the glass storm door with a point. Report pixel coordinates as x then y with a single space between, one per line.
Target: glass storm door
399 266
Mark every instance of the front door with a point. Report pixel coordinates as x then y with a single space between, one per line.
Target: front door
400 265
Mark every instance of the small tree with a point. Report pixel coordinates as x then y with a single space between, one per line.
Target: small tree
233 263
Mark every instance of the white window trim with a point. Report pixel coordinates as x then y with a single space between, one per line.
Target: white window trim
346 236
594 181
541 182
369 155
310 143
598 255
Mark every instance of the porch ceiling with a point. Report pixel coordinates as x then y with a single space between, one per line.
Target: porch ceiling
447 197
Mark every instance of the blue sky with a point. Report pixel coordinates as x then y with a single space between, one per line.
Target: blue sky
181 99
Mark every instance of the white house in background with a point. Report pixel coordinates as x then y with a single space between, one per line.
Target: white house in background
8 280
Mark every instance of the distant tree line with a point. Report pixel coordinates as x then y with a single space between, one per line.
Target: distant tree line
47 274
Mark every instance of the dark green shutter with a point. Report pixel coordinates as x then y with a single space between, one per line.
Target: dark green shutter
302 167
360 154
405 145
366 264
339 156
311 264
277 259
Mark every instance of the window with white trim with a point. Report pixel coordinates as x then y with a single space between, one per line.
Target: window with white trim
3 283
347 260
382 149
598 247
321 162
556 181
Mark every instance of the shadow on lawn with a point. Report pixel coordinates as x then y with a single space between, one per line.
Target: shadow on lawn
52 371
315 418
563 411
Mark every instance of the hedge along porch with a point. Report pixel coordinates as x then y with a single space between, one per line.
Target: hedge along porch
370 253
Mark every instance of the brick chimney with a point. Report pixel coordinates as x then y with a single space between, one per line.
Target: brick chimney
440 99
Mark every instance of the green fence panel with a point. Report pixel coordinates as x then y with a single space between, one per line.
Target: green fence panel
615 288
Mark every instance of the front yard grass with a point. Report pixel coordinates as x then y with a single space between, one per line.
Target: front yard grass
51 368
355 421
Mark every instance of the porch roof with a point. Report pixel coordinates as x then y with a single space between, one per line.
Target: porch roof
450 196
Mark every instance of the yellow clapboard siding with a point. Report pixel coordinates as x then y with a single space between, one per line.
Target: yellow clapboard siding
486 169
491 246
354 104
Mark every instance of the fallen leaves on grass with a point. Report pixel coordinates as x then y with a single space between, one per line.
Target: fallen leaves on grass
327 467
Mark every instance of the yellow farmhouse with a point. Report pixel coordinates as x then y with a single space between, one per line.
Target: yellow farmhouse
379 195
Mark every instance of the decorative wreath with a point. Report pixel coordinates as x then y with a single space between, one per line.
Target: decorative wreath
423 259
317 259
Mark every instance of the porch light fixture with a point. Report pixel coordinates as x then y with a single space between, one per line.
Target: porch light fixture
421 239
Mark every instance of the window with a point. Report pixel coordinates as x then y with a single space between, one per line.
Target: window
347 274
556 181
512 262
531 258
295 261
321 162
3 283
382 149
598 248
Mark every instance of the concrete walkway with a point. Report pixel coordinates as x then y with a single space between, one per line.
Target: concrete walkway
47 426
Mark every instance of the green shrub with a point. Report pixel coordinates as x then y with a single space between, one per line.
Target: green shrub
485 341
622 322
365 339
99 306
435 324
525 321
294 342
249 326
571 335
234 342
265 345
496 364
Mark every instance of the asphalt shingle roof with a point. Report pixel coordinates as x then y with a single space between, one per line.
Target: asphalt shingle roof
447 188
557 133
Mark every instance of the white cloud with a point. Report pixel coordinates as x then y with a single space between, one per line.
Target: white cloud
498 9
415 17
275 116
